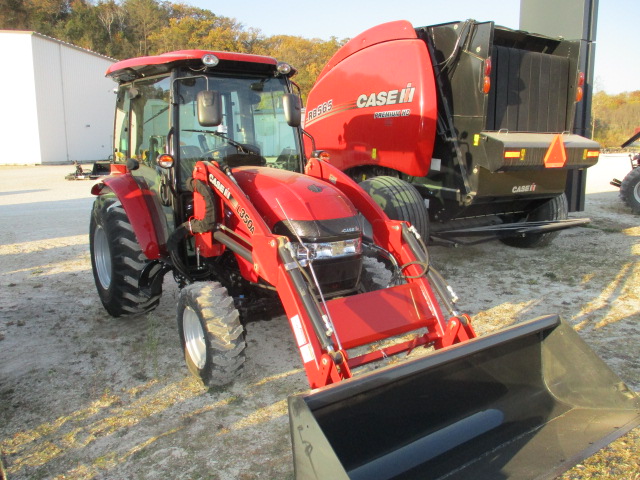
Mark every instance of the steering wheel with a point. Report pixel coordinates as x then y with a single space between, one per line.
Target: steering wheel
218 154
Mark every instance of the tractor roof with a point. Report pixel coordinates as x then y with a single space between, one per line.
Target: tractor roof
130 69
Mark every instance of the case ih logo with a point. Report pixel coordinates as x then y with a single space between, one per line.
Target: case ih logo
219 186
389 97
524 188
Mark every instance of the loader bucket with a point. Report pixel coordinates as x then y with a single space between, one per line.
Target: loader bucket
101 168
527 402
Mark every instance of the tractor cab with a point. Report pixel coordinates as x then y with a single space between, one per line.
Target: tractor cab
179 108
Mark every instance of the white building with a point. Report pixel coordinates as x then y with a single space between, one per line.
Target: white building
57 103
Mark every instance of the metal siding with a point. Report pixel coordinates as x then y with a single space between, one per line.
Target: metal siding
18 123
89 103
50 102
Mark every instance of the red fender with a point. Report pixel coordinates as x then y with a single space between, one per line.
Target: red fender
138 203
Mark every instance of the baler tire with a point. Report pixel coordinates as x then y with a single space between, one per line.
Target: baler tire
117 260
211 334
400 201
555 209
374 275
630 190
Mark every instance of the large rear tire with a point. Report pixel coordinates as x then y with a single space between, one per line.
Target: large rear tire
400 201
212 337
374 275
630 190
117 260
555 209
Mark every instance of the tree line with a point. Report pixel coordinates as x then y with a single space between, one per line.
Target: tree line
615 117
131 28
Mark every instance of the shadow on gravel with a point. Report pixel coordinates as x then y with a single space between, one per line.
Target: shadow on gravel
44 220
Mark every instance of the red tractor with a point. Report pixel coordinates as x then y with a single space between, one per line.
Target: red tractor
214 189
630 185
211 183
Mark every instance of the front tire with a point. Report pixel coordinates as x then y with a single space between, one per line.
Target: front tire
212 337
630 190
400 201
555 209
117 260
374 275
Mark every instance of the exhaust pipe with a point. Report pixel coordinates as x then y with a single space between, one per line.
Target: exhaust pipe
526 402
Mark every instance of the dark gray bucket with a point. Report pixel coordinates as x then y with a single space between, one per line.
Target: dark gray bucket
527 402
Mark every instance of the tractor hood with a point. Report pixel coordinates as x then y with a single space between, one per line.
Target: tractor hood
292 202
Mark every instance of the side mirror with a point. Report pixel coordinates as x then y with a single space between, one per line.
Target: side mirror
292 109
209 108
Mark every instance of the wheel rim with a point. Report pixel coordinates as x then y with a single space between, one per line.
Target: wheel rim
194 340
636 192
102 257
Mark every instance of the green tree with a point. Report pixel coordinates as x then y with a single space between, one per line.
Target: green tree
195 28
615 117
39 15
308 56
82 27
14 15
143 18
113 21
128 28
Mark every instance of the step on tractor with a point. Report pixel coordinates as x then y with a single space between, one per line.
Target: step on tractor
462 129
630 185
211 183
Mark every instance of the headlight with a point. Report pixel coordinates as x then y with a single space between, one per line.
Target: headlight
210 60
319 251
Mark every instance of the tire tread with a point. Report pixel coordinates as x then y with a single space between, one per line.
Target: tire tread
123 297
225 333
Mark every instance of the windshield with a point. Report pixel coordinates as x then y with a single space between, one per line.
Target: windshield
253 122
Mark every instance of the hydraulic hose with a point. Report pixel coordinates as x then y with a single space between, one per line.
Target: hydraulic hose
209 221
176 237
192 226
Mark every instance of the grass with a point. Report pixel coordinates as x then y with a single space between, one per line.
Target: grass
619 460
604 229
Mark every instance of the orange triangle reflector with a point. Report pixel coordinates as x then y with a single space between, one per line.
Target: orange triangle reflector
556 156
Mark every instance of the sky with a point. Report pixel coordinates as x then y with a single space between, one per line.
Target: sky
617 68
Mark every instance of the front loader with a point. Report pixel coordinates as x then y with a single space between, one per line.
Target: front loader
211 183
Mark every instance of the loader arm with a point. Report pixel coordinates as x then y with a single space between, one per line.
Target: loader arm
404 245
325 332
261 254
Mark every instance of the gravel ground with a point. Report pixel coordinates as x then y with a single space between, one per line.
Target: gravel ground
84 396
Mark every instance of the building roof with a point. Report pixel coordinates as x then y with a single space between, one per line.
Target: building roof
51 39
